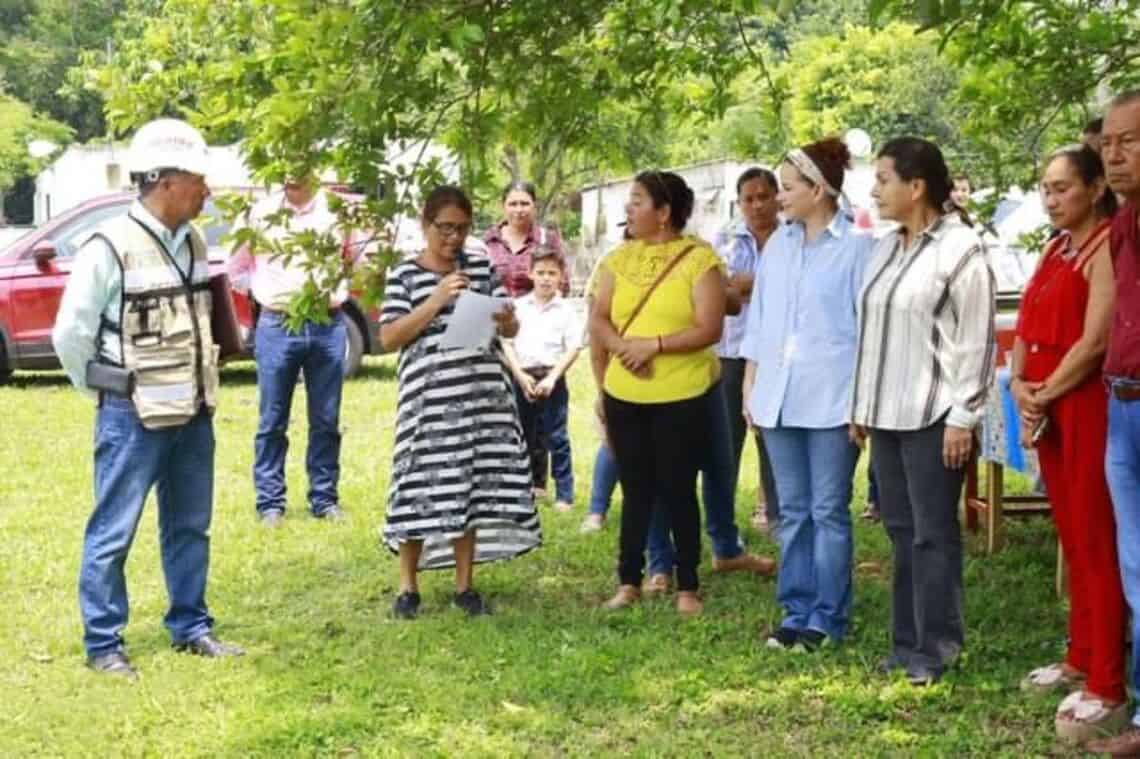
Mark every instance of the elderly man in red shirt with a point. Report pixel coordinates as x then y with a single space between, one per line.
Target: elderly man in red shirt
1120 149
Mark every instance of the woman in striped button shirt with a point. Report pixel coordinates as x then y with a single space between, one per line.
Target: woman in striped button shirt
925 364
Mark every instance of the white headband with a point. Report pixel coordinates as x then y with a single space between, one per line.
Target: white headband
810 169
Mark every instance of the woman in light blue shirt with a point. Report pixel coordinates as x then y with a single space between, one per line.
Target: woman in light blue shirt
800 343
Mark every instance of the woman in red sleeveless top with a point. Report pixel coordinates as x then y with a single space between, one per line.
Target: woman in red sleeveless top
1062 332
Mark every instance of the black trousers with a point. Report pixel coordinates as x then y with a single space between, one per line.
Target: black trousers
544 422
536 451
918 498
658 447
732 375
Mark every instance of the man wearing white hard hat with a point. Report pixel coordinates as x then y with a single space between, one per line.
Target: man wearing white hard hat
133 331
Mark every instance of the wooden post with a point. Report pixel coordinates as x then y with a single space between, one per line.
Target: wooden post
995 492
1062 572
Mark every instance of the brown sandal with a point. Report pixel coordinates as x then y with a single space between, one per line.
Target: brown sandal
654 584
1053 677
626 596
689 604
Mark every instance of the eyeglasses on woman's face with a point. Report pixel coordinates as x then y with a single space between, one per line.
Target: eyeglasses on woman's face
449 230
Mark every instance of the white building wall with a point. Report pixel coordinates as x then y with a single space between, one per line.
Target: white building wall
714 188
80 173
83 172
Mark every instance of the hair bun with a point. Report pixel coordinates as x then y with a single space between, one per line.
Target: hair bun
834 150
832 157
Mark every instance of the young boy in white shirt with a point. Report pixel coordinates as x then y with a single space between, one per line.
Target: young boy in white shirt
548 341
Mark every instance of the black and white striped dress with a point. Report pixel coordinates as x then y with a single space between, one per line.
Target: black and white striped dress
460 462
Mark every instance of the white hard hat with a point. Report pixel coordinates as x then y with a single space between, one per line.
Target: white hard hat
168 144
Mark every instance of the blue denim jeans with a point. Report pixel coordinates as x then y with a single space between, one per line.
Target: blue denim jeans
544 423
605 480
129 460
1122 467
814 470
732 380
718 479
318 349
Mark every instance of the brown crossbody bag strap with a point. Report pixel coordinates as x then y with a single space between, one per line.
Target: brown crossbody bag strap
648 293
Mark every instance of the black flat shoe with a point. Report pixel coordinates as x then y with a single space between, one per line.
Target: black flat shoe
114 663
784 638
889 664
407 605
210 647
921 676
472 603
812 640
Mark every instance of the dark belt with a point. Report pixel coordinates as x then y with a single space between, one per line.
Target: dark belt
1126 392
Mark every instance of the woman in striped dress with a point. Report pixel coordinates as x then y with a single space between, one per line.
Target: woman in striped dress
460 487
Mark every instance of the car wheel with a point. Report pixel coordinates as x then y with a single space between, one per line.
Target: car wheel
353 346
5 371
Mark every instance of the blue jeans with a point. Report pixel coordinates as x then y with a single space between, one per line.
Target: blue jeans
1122 467
129 459
605 480
544 426
718 478
814 470
318 349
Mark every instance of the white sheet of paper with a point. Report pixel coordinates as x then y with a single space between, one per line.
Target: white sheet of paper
471 325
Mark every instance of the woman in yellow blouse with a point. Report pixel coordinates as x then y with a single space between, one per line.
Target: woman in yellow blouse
658 312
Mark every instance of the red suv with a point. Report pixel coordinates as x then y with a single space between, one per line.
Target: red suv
34 270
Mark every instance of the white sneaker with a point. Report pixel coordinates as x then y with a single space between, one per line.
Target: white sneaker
592 523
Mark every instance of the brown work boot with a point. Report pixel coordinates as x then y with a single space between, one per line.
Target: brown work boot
689 603
626 596
746 562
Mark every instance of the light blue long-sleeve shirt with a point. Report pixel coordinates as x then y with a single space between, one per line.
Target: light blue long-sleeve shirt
95 289
801 325
737 248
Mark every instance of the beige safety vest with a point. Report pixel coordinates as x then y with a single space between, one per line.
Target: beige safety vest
164 324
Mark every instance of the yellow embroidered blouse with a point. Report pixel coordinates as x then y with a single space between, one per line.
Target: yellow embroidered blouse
635 265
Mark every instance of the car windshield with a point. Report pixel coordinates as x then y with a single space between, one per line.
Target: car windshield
6 243
212 224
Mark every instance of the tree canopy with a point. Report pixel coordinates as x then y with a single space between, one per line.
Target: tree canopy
1034 71
568 93
21 125
40 42
336 85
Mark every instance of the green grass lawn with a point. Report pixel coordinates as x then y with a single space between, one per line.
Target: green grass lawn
329 673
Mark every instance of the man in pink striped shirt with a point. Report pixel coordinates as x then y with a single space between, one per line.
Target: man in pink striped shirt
274 279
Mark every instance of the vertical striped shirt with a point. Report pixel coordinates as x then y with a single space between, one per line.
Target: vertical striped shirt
926 331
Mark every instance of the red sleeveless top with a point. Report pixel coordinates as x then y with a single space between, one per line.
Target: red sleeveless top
1052 314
